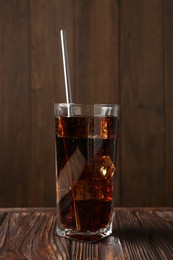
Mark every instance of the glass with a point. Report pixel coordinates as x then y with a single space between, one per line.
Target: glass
86 145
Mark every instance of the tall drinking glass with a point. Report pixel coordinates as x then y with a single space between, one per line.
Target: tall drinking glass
86 145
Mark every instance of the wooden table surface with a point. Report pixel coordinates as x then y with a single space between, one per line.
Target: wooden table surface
139 233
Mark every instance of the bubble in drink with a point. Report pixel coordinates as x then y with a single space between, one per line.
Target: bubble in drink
86 152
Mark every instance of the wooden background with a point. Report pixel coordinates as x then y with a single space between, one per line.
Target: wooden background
120 51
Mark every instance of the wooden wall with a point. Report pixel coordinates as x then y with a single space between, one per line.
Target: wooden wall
120 51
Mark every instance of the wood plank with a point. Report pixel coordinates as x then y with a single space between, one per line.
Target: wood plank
31 236
167 215
168 101
96 51
109 248
14 103
47 18
133 238
142 104
144 235
138 234
97 56
160 231
84 250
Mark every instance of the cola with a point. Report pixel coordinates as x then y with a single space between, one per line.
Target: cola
86 167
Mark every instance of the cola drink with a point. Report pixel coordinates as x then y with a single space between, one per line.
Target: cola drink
86 166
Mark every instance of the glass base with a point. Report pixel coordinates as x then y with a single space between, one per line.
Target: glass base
85 236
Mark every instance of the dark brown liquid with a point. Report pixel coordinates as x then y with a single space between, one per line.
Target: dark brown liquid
86 151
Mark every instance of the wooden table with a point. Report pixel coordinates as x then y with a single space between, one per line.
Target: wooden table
138 234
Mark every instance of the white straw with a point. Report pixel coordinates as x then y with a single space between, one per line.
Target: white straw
66 66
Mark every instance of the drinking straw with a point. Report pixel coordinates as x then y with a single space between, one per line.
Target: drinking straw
66 66
68 100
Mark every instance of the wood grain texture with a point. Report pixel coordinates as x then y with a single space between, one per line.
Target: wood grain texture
96 51
47 88
138 234
142 103
168 28
144 235
14 103
120 51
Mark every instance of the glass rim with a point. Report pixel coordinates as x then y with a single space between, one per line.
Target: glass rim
75 109
88 104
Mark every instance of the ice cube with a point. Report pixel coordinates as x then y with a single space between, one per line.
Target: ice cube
104 129
88 189
104 166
